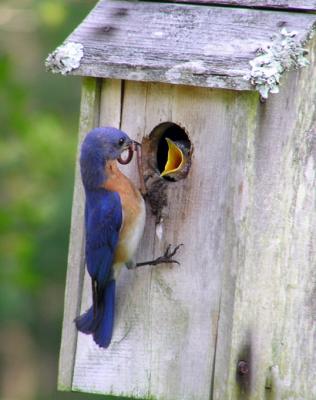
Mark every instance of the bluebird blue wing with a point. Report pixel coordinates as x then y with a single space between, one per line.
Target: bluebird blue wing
103 220
103 223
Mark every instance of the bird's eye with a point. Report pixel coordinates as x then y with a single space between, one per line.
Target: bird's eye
121 141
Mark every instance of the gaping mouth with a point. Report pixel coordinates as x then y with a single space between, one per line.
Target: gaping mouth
175 158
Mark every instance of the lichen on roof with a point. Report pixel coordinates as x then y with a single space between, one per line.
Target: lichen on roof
65 58
282 54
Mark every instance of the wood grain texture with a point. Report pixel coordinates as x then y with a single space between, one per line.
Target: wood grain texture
89 116
179 44
305 5
270 257
166 324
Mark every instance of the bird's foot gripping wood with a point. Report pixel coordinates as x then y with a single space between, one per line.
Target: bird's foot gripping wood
166 258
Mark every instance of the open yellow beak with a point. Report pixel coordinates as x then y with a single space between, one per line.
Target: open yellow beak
175 158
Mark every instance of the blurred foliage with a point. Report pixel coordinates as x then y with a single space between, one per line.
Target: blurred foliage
38 114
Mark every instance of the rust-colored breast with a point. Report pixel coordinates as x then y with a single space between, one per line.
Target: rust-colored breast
132 205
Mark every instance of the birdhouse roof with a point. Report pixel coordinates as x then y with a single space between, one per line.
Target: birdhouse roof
209 46
306 5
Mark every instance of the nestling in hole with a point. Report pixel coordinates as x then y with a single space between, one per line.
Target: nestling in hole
175 158
178 159
173 151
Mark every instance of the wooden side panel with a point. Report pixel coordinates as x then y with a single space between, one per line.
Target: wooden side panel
274 258
305 5
89 118
166 325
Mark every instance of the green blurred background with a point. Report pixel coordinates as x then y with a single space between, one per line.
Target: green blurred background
38 118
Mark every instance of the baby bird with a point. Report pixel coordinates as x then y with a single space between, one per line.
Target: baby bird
178 159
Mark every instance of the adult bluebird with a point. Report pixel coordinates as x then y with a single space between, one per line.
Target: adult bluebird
114 223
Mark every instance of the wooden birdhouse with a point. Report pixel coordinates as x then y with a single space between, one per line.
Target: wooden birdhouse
236 80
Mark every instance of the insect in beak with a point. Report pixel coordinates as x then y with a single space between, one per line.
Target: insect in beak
129 157
133 146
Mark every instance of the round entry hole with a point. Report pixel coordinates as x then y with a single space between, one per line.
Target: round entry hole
173 150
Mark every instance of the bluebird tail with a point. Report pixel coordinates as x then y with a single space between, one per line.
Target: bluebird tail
100 322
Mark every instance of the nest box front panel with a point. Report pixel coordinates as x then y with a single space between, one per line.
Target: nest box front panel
166 317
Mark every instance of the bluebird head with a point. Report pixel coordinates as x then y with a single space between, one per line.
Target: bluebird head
99 146
106 143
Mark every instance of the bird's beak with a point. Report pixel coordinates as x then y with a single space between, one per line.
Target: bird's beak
175 158
134 145
128 144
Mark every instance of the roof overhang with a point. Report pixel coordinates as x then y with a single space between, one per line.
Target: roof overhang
208 46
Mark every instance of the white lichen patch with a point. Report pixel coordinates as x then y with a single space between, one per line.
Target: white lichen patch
282 54
65 58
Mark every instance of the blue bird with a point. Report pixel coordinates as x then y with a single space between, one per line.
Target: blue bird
111 238
114 223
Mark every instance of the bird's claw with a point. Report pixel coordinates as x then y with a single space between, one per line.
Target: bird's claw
166 258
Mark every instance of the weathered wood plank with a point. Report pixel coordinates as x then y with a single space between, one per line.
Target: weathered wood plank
188 300
270 267
166 324
305 5
239 180
89 117
179 44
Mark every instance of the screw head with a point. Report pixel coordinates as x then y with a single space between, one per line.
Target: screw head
243 367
